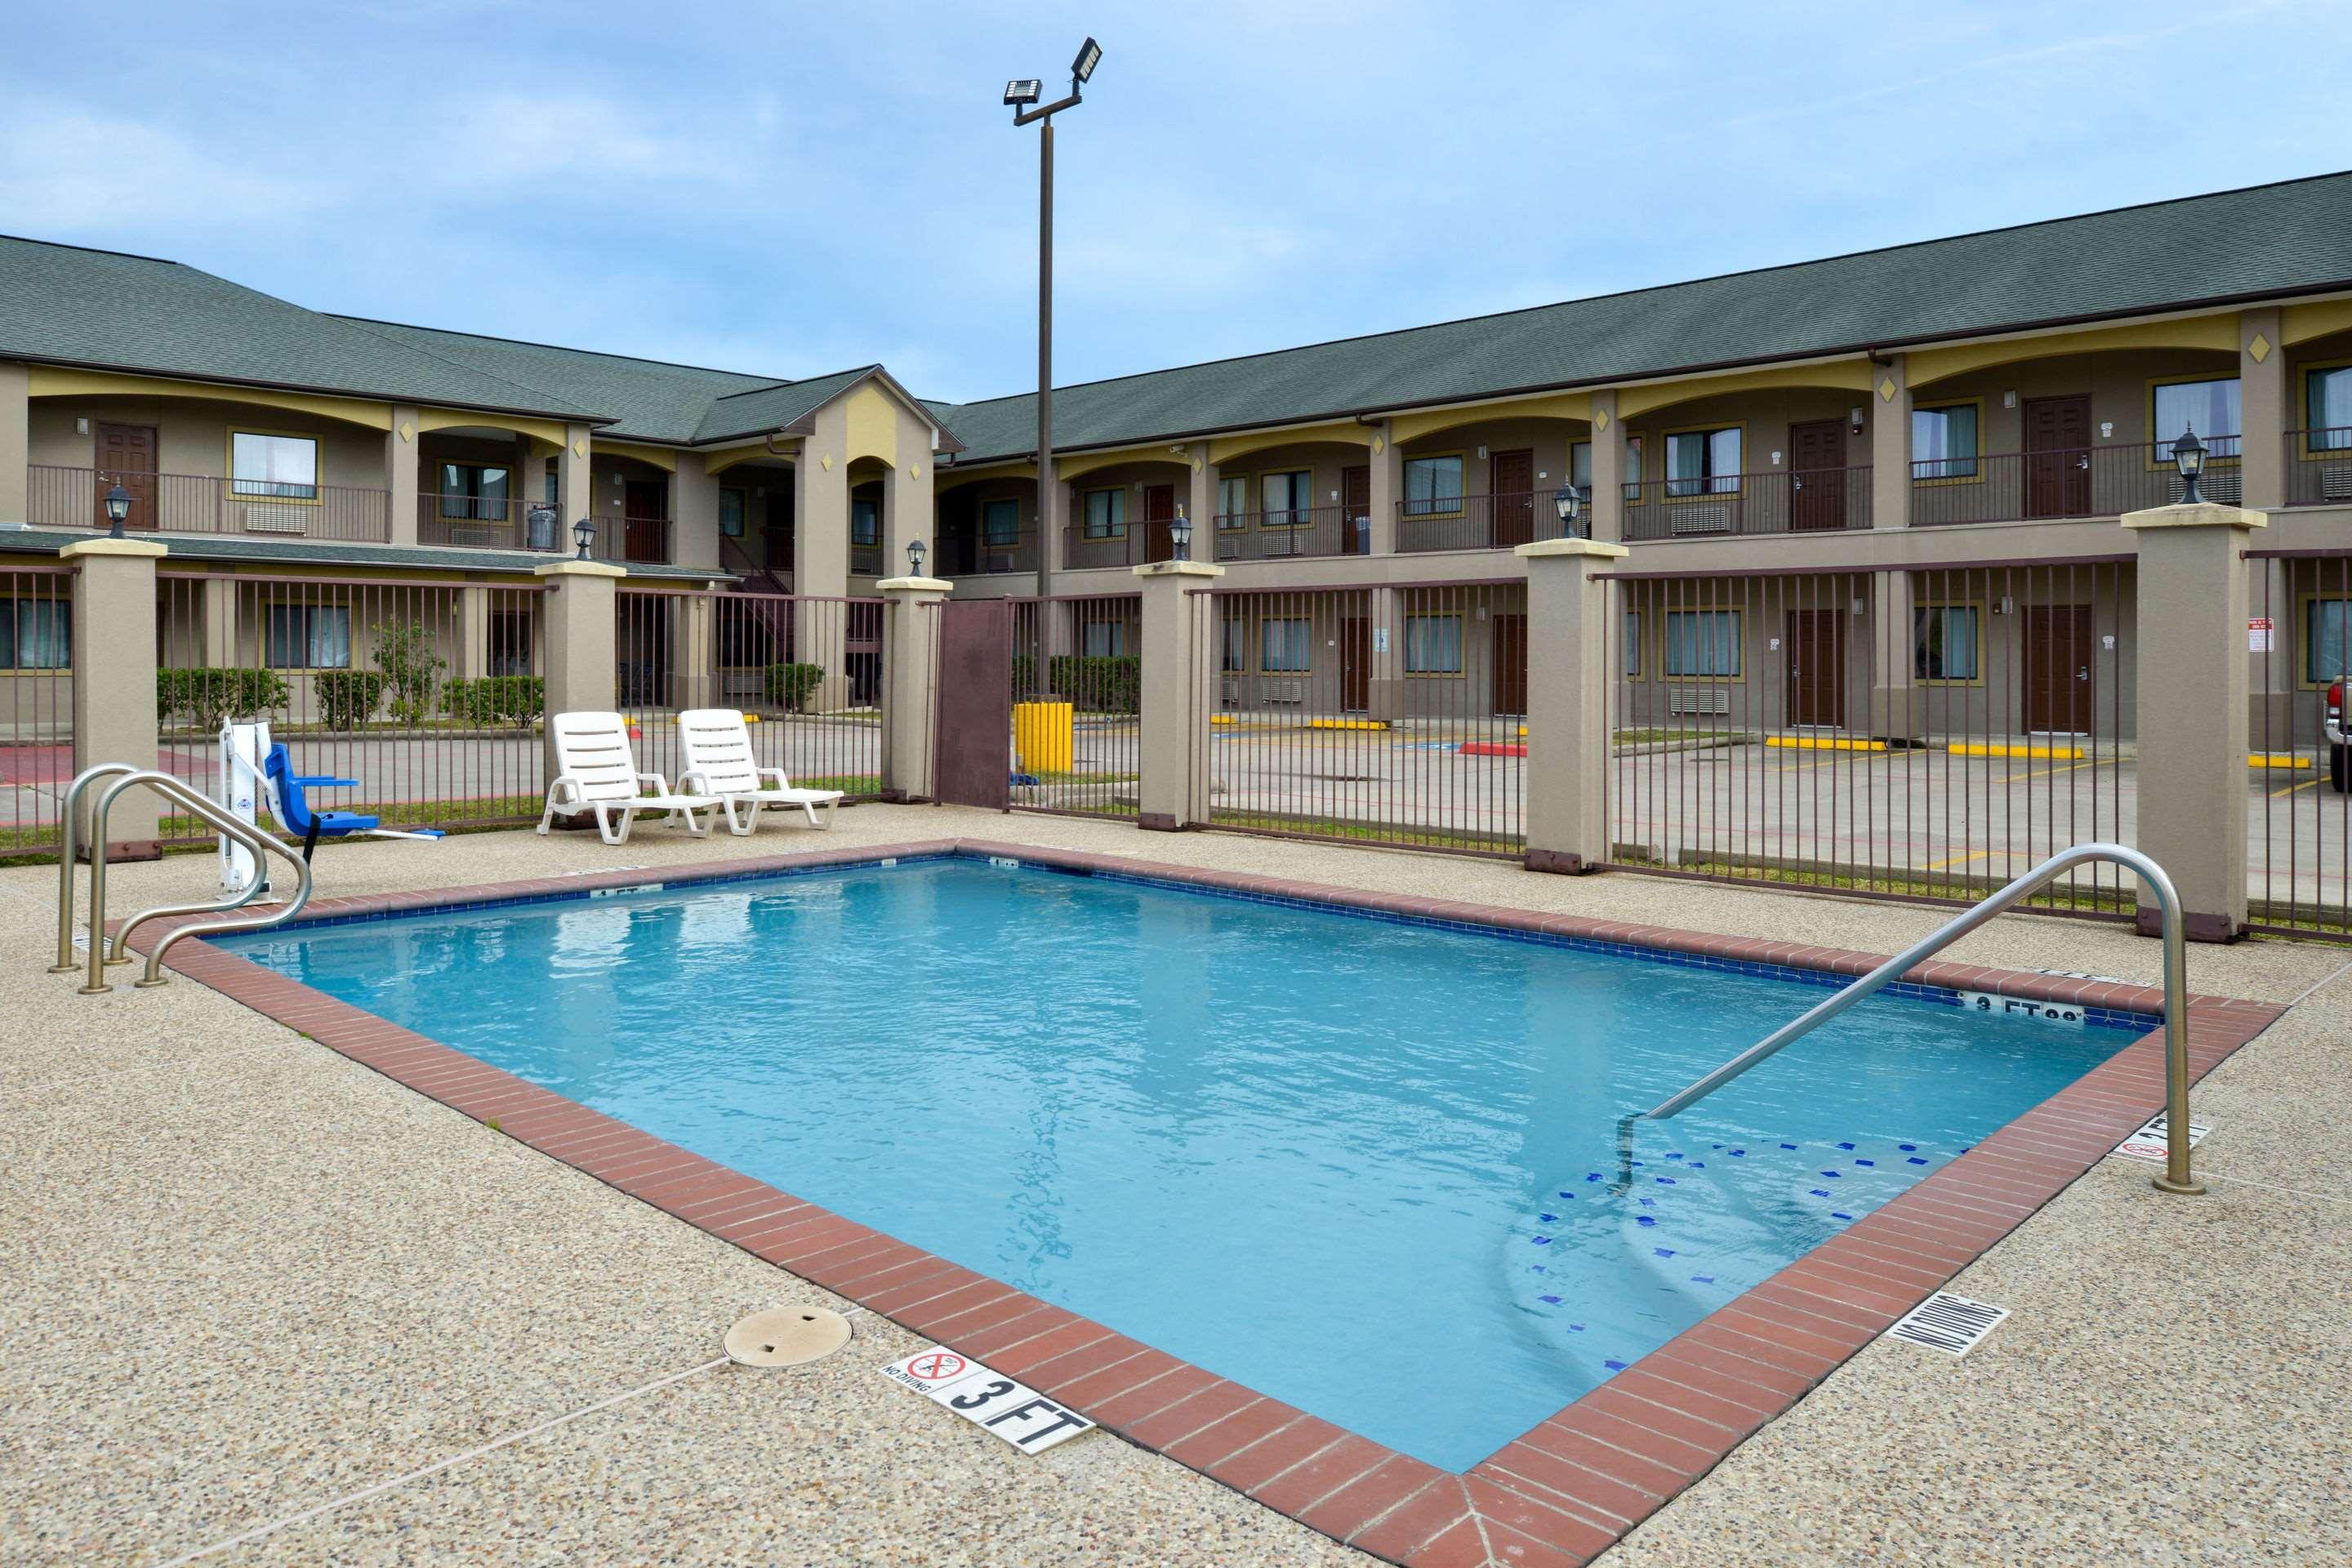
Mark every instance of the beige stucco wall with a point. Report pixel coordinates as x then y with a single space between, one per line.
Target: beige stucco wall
192 437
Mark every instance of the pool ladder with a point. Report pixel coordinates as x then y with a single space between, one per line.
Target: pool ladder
179 793
2177 1177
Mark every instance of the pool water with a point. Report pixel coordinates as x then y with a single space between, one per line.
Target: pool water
1361 1165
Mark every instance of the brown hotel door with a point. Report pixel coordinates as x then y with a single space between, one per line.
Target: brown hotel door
1355 664
1510 484
1355 510
1510 664
644 503
126 456
1817 668
1159 513
1817 476
2058 457
2059 692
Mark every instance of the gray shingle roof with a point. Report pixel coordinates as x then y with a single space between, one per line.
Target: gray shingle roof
2268 240
64 303
774 407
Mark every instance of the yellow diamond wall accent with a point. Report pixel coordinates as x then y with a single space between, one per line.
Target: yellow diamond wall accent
1600 420
2259 348
1886 389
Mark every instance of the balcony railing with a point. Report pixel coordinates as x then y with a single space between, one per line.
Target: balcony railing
2086 481
61 497
966 555
631 541
1281 535
1778 500
2318 466
1494 522
482 522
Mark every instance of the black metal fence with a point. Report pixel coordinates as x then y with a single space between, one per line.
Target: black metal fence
36 703
1374 715
2090 481
1924 733
428 697
805 671
1077 704
2299 832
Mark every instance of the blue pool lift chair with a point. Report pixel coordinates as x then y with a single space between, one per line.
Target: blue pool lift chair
292 807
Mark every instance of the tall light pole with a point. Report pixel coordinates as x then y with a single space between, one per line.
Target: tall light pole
1023 96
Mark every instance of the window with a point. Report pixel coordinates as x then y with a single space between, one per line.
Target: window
310 637
1433 645
1000 524
865 523
285 468
470 490
1432 487
1633 645
1236 641
1944 643
1106 514
1632 467
730 513
511 642
2327 640
2328 409
1580 469
1284 498
1103 639
1703 644
2210 407
1281 647
36 634
1703 462
551 482
1232 503
1944 442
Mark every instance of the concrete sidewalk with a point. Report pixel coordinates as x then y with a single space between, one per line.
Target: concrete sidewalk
249 1277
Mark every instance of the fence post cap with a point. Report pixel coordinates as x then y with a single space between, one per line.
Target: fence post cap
1600 547
914 585
81 547
1180 569
2203 514
574 568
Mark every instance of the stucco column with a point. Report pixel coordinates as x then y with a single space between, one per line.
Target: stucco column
693 652
573 495
1895 712
1890 444
1052 515
1387 684
217 634
1200 504
2265 410
694 513
2193 692
1567 706
16 441
910 630
582 657
114 717
821 566
1388 490
400 475
1180 673
472 634
907 512
1606 519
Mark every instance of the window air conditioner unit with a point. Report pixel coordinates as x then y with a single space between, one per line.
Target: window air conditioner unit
1291 691
2226 486
2336 481
1714 519
262 518
1699 699
1229 692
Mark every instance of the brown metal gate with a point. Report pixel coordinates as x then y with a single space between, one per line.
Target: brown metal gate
2299 838
973 717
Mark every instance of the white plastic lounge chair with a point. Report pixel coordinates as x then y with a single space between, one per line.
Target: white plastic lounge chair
717 745
596 771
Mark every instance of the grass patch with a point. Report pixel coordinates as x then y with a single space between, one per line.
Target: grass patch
1365 832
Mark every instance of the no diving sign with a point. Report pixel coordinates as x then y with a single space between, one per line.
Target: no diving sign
988 1400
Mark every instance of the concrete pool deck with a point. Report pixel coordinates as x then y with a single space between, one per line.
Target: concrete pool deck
261 1278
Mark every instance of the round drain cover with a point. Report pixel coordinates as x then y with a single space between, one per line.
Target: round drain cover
786 1336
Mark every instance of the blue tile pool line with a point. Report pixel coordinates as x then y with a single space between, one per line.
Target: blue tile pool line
2096 1018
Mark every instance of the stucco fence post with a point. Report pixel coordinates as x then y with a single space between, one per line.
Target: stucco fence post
2194 687
1178 695
114 716
910 631
1568 702
582 643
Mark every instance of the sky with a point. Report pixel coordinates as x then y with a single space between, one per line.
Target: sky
793 189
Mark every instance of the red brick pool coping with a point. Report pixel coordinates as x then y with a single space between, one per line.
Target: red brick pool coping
1559 1494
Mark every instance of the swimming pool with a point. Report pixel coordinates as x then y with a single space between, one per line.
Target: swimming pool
1358 1165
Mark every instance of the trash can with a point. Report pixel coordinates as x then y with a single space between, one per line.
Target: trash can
542 521
1041 735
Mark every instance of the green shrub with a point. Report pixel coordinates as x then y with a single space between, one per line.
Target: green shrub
1024 672
511 700
412 671
347 698
206 698
1101 684
791 684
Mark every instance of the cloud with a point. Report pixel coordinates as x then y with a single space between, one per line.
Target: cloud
65 172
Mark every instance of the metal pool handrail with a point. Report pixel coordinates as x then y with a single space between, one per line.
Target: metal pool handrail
181 795
2177 1177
